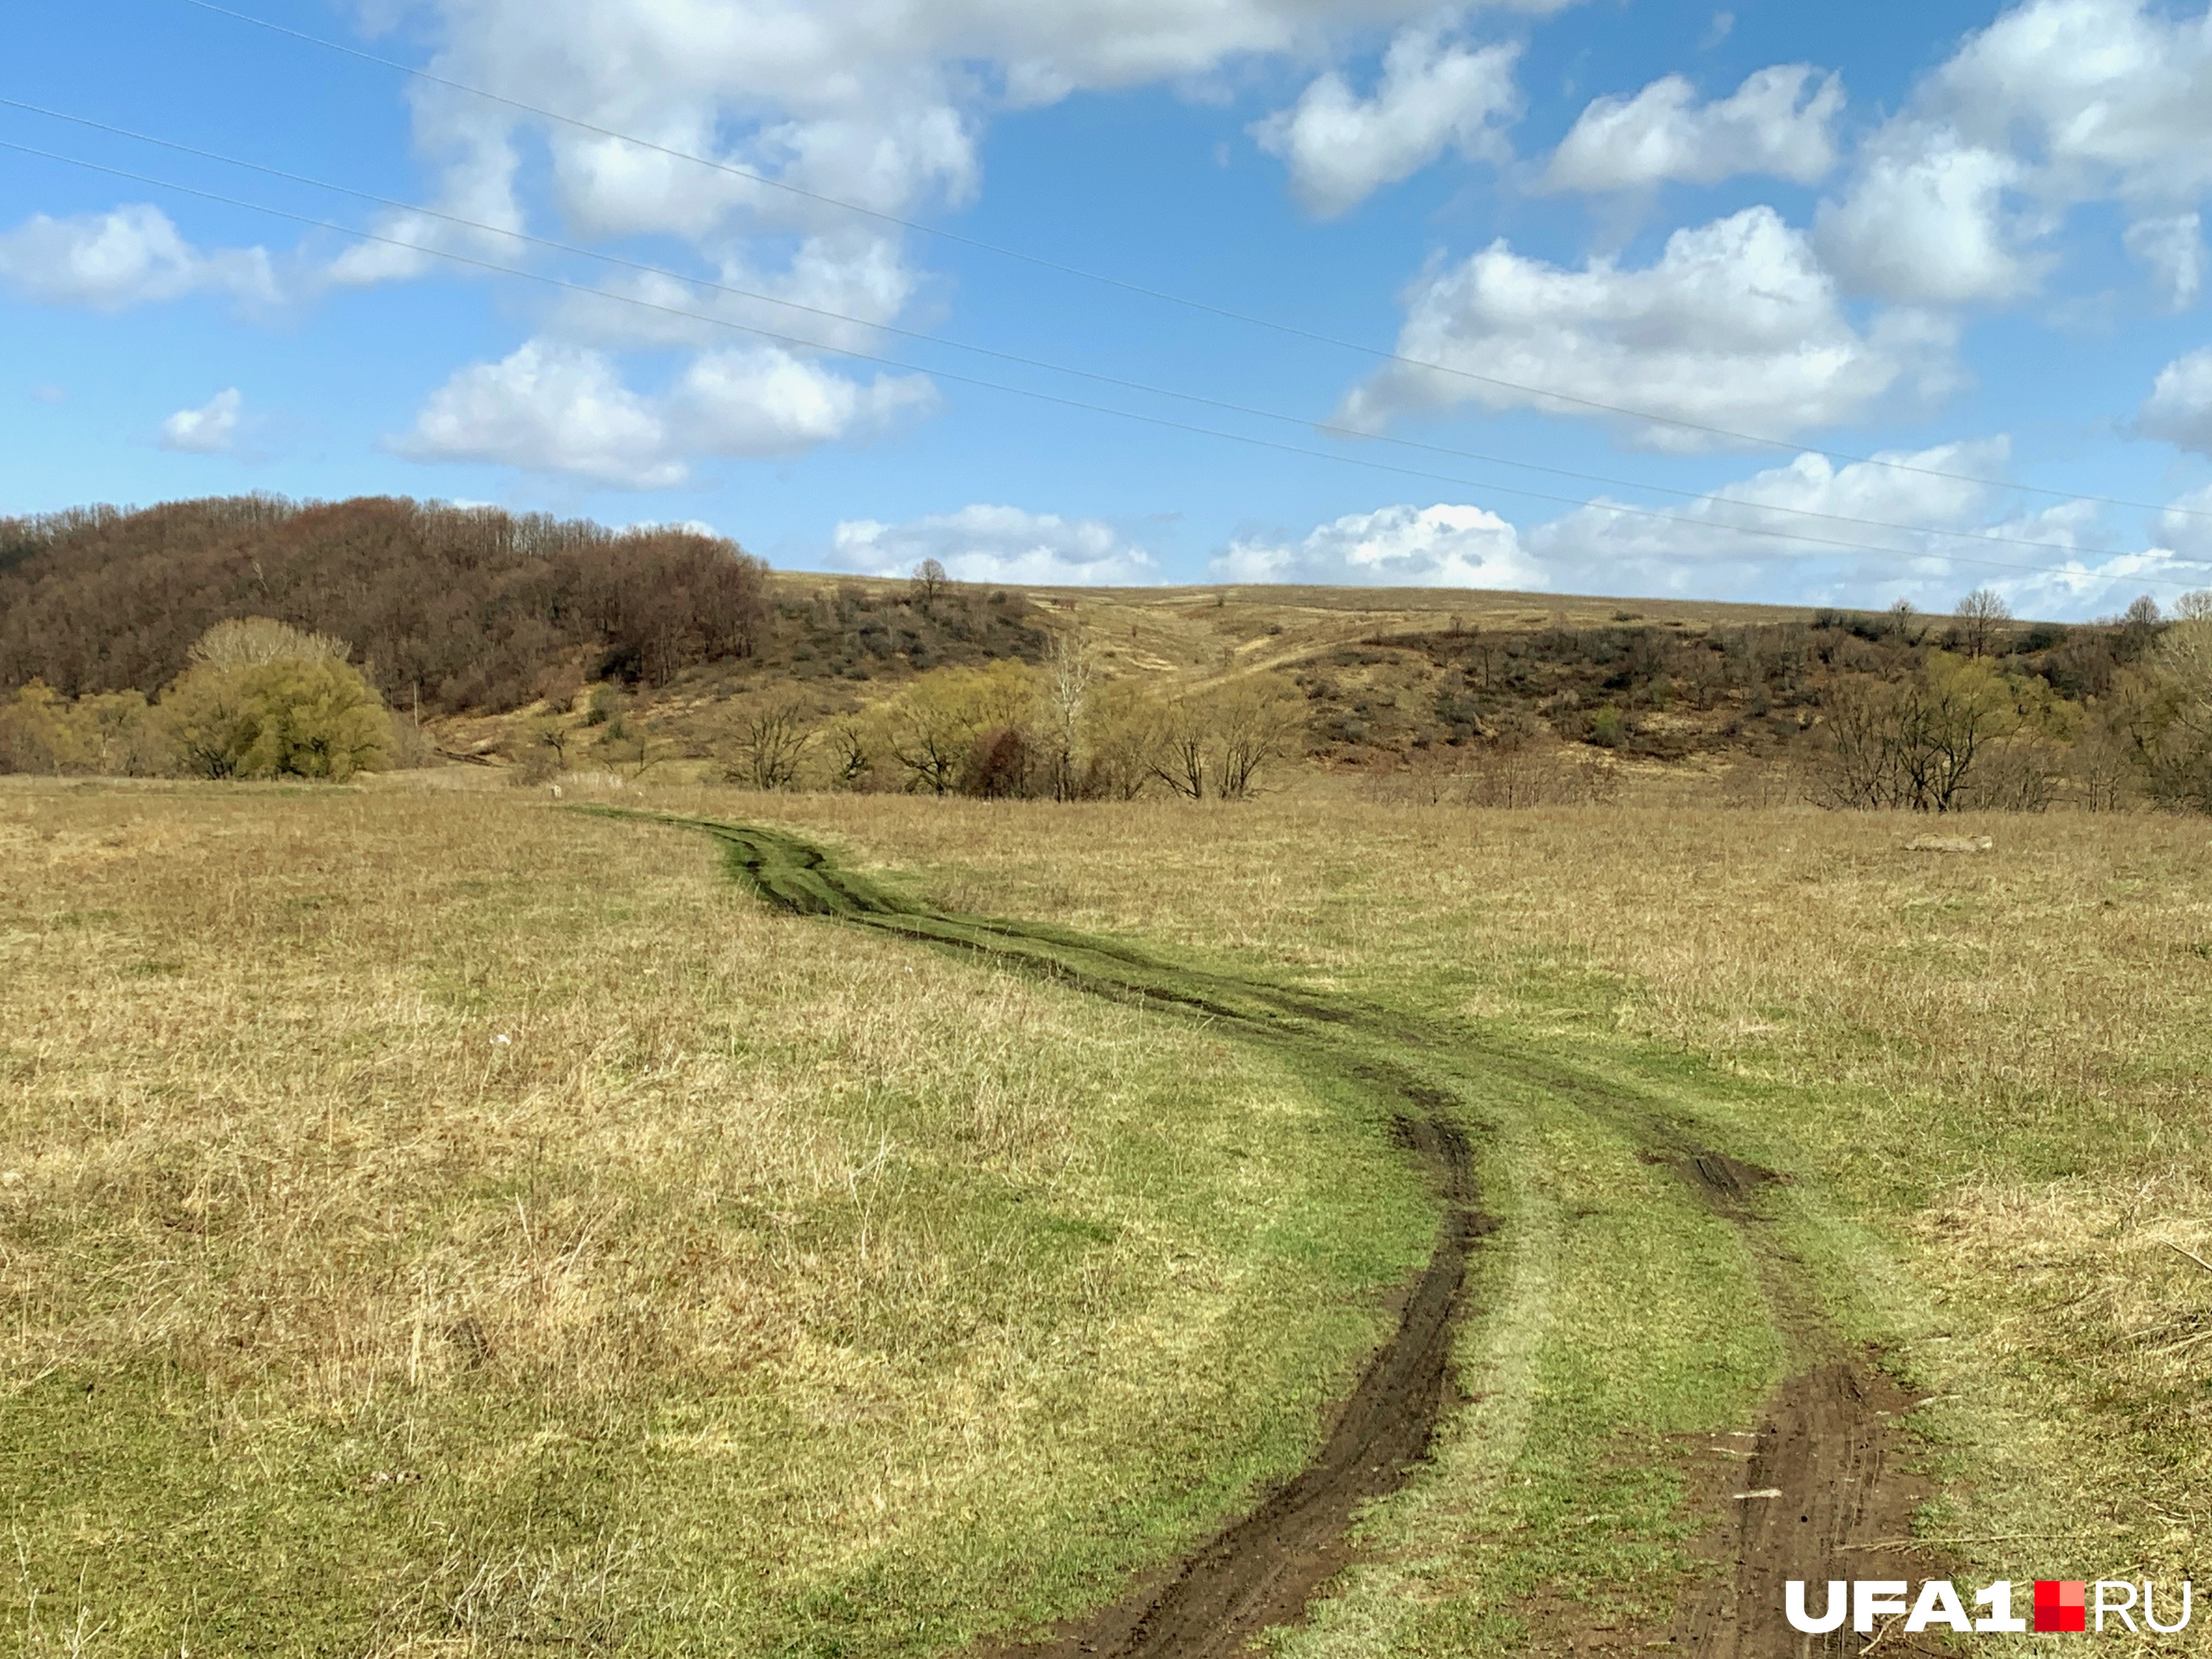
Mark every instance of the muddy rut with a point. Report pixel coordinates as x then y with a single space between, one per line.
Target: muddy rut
1825 1460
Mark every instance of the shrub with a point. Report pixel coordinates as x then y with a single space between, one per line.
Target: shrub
264 700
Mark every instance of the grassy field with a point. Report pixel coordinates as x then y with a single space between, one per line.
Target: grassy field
1985 1074
435 1221
777 1287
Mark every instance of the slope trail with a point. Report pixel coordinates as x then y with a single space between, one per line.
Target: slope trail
1828 1438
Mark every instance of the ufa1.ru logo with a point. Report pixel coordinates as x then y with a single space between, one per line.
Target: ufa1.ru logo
2059 1604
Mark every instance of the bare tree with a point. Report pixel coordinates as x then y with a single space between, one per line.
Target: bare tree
852 754
770 742
1178 754
1982 616
1069 675
1254 723
929 580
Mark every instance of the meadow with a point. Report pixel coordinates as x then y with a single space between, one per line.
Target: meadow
436 1218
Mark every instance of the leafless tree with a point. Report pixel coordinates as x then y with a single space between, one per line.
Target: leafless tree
1069 675
928 582
770 741
1982 616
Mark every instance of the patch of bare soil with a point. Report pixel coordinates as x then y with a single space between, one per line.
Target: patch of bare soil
1825 1495
1262 1570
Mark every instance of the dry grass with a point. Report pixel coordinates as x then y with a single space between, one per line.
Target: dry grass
433 1219
1998 1062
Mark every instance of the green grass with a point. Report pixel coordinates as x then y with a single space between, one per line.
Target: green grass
776 1289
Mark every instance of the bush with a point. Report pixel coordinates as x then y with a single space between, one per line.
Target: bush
264 701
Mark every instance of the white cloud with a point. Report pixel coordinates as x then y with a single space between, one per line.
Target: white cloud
1439 546
1925 222
1772 124
2186 528
2179 407
761 400
1742 542
132 255
2111 96
1432 96
210 429
549 408
1743 533
2057 103
1736 325
985 543
557 408
2173 248
859 278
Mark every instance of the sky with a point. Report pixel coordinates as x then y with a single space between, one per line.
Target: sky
1834 304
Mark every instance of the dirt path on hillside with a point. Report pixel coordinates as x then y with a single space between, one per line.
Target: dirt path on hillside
1822 1493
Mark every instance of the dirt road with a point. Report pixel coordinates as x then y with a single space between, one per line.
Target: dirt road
1826 1458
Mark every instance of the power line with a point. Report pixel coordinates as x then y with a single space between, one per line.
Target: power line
1990 535
1163 295
1032 393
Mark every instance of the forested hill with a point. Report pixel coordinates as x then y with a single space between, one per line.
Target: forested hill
458 607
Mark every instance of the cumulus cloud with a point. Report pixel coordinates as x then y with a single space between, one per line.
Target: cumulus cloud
1780 122
2173 248
1736 325
210 429
553 407
1433 96
859 277
2179 407
985 543
1745 541
1925 222
130 256
1737 535
1439 546
549 408
2186 528
761 400
2057 103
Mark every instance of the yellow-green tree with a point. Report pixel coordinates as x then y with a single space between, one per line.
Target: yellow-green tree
262 701
930 729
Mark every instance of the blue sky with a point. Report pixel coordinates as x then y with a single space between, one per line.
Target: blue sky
1856 274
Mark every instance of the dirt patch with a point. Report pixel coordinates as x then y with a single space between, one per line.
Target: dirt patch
1829 1448
1262 1569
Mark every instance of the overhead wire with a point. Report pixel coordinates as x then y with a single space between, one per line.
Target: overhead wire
1117 381
1163 295
1033 393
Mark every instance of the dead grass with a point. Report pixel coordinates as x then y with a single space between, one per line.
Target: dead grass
427 1219
1999 1063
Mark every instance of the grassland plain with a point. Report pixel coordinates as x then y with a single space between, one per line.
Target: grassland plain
1981 1075
434 1222
1984 1076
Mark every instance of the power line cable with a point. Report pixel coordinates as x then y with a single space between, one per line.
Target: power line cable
1331 429
1055 398
1163 295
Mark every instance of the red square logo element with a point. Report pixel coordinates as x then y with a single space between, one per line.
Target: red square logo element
2061 1604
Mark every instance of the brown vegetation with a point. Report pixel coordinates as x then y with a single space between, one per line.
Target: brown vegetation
446 608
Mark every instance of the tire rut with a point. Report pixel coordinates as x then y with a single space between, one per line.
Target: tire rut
1827 1444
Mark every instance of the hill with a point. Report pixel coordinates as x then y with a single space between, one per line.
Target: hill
555 644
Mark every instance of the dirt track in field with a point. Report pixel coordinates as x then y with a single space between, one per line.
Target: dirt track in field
1822 1493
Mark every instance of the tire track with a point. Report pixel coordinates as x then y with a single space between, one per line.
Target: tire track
1827 1444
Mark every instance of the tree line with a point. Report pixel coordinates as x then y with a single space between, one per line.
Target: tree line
1009 730
1968 727
257 698
444 608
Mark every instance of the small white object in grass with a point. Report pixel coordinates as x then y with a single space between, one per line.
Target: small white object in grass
502 1040
11 1178
1764 1491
